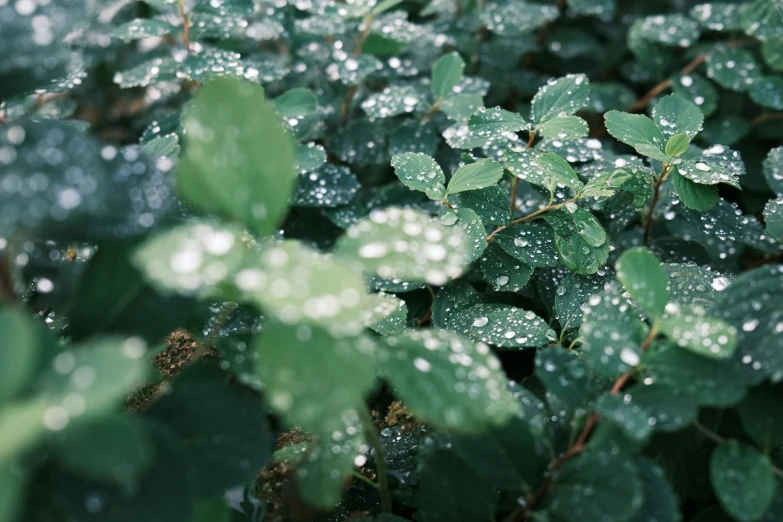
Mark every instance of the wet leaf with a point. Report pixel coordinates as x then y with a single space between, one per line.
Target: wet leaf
641 274
420 172
691 328
446 74
694 195
561 97
742 479
773 218
503 326
481 174
566 128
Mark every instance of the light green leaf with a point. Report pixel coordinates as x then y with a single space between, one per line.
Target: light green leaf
743 480
238 161
617 182
768 92
547 170
478 175
566 128
571 220
491 124
309 156
19 355
446 73
433 252
651 151
677 145
297 284
420 172
634 129
383 6
142 28
694 195
773 218
12 484
298 378
707 173
502 326
295 103
641 274
502 271
460 107
561 97
595 487
386 314
471 223
162 146
193 258
733 68
608 315
691 328
448 380
673 114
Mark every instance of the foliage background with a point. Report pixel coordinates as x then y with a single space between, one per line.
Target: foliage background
398 260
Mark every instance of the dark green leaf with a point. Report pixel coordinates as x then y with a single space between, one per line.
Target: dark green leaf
693 195
743 480
641 274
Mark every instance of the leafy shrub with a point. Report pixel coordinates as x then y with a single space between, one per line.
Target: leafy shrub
393 260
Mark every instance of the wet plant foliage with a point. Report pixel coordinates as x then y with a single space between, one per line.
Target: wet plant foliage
389 260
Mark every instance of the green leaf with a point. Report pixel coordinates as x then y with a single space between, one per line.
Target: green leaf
142 28
603 9
763 19
607 315
295 103
478 175
579 255
572 294
750 305
670 409
446 74
547 170
193 258
299 285
565 375
641 274
570 220
629 185
212 509
634 129
490 204
327 186
393 101
502 326
697 89
624 413
743 480
19 357
420 172
298 378
460 107
759 412
773 218
495 123
710 382
595 487
677 145
433 252
532 243
768 92
162 146
733 68
309 156
383 6
223 427
660 501
502 271
471 223
653 152
719 16
238 161
772 51
693 195
449 490
447 380
561 97
691 284
566 128
12 484
707 173
515 18
773 169
674 30
110 448
691 328
387 315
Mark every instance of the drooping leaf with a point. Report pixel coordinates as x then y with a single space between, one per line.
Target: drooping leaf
743 480
694 195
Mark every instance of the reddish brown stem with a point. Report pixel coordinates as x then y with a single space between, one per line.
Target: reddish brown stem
185 24
530 216
648 218
767 116
7 292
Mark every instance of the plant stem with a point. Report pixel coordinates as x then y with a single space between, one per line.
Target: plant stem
767 116
364 479
380 459
185 24
209 340
532 215
720 440
648 218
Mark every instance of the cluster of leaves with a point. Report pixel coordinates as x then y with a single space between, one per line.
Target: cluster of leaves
456 204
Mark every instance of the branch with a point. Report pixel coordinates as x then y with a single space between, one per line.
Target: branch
648 219
767 116
531 216
185 24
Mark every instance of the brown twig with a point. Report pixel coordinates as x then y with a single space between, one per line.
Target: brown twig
767 116
648 218
185 24
7 292
531 216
